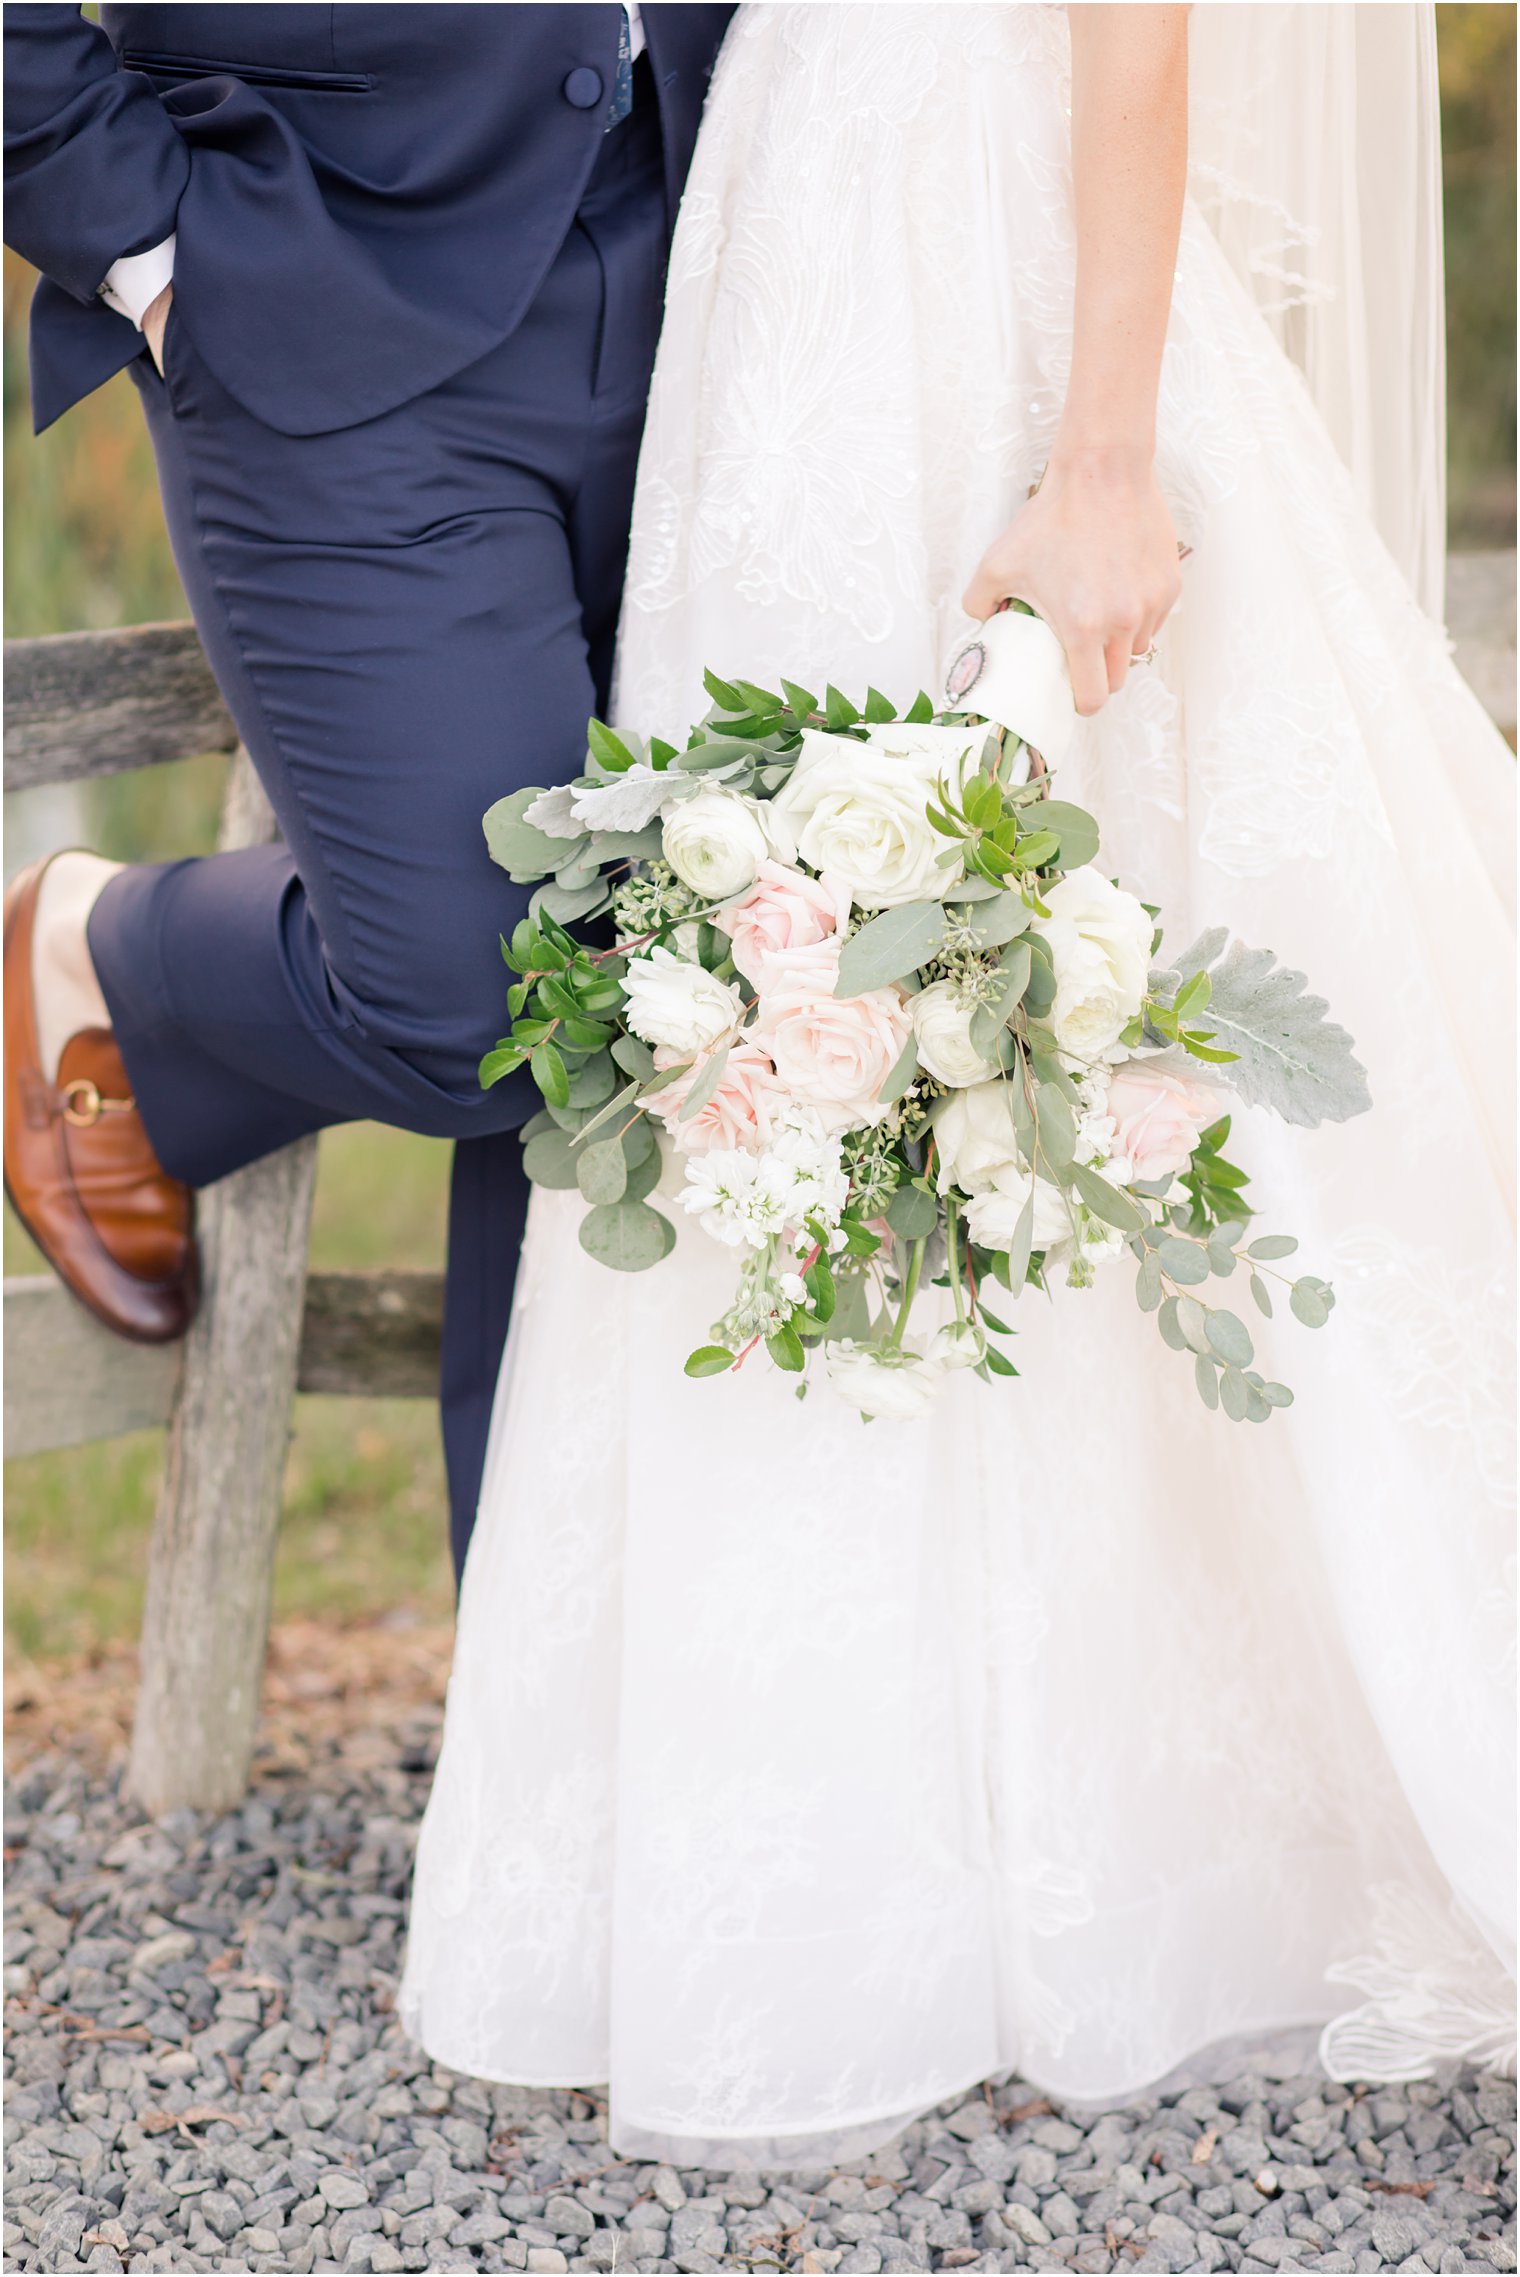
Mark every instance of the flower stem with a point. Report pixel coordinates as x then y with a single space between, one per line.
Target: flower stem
952 1237
910 1291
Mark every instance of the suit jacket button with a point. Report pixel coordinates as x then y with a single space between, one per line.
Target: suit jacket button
583 87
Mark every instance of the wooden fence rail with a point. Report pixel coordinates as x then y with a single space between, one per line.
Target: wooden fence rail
85 705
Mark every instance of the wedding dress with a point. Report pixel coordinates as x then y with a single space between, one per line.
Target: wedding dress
798 1773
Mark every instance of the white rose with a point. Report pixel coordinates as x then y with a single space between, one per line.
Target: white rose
714 842
974 1136
994 1210
1100 946
978 1152
679 1005
942 1025
857 810
898 1390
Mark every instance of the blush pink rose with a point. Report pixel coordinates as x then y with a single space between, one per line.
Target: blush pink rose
833 1052
1158 1116
784 910
744 1108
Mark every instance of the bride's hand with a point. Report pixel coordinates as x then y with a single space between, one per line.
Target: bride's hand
1095 554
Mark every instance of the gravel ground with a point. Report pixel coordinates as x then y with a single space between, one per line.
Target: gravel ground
203 2073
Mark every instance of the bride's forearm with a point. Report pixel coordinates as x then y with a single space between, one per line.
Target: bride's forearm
1094 552
1129 169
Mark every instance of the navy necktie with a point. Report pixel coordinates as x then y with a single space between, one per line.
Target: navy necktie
622 86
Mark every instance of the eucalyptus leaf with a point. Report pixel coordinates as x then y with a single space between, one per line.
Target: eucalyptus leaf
1183 1261
704 1087
628 1236
643 1176
1193 1320
1020 1248
1234 1395
1308 1305
912 1213
602 1171
1206 1376
1107 1201
1056 1126
1277 1395
1272 1245
550 1160
1073 826
593 1082
634 1057
904 1069
1261 1295
1148 1289
1289 1057
1000 920
1230 1339
523 851
897 942
570 905
1170 1326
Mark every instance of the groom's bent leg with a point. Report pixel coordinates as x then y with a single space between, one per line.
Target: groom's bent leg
408 619
399 646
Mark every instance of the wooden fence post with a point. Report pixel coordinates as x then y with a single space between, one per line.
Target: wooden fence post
211 1563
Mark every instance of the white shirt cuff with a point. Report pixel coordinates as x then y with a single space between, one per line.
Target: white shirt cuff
133 284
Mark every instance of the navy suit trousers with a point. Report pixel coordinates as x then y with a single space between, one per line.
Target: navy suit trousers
408 619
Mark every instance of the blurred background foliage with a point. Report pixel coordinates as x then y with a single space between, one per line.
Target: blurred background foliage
364 1527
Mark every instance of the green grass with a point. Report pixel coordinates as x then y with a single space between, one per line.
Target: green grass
365 1524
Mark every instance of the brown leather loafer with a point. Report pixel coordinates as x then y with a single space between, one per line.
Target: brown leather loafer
79 1170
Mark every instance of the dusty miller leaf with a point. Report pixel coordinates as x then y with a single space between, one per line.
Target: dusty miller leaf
1289 1057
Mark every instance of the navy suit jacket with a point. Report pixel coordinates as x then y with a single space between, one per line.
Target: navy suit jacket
366 197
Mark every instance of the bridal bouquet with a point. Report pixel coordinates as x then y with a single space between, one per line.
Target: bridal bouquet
863 989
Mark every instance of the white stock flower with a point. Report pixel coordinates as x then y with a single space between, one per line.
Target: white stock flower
942 1025
629 801
1100 944
741 1199
813 1155
857 810
677 1004
715 843
792 1287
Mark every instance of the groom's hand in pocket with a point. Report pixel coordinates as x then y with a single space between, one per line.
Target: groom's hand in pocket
155 317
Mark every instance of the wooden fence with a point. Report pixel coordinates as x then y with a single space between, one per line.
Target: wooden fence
84 705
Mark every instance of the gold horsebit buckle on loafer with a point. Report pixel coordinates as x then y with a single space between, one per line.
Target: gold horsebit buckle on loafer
83 1105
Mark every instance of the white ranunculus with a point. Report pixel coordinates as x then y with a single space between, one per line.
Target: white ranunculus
715 843
1100 944
942 1026
899 1390
857 810
679 1005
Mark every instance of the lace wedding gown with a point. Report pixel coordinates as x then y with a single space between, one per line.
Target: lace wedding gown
798 1774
